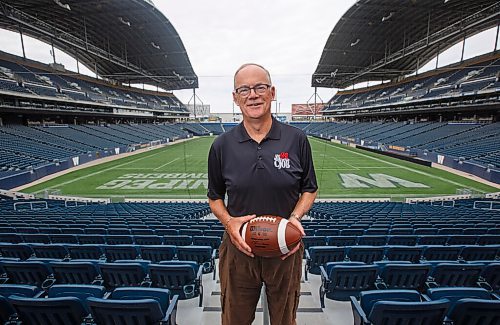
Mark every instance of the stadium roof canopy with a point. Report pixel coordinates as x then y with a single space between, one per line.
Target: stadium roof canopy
387 39
125 40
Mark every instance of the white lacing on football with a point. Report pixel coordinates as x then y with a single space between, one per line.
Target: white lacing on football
264 218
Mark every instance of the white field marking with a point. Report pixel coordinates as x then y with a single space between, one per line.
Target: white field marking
403 167
169 162
102 171
378 167
134 168
339 160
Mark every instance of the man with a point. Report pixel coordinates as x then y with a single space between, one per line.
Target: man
265 167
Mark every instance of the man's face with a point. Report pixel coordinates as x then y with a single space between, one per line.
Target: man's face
257 103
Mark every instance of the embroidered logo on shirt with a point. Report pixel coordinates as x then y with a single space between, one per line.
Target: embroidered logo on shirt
281 160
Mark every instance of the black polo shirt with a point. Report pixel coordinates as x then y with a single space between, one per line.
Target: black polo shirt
261 178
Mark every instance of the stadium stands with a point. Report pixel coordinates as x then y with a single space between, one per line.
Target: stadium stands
457 80
38 79
126 246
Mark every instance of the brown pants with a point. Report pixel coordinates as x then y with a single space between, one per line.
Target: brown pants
241 279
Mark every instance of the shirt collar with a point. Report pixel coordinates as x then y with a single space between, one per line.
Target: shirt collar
274 133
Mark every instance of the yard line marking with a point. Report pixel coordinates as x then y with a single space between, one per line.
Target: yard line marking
402 167
377 167
169 162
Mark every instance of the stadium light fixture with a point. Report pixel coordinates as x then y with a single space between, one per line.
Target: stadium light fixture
123 21
355 42
62 5
389 16
156 46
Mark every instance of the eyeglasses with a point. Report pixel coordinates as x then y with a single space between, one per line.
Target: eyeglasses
260 89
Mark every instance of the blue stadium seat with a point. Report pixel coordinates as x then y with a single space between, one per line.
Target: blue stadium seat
167 232
391 307
123 275
212 241
182 278
488 240
490 278
455 294
441 253
404 253
49 311
120 252
7 312
365 254
462 240
86 252
36 238
30 273
341 241
475 312
50 251
179 240
119 240
339 281
127 312
148 240
20 251
320 255
168 306
403 276
91 239
63 239
454 275
326 232
11 238
372 240
203 255
20 290
432 240
158 253
76 273
479 253
402 240
82 292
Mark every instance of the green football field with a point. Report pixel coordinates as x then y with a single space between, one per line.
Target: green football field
179 171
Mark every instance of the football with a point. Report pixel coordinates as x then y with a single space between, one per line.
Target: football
270 236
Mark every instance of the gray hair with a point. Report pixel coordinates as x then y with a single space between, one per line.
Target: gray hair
249 64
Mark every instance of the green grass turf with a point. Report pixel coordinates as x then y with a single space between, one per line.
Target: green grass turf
179 171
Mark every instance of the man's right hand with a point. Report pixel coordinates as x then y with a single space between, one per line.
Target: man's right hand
233 230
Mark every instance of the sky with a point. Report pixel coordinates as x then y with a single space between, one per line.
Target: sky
285 36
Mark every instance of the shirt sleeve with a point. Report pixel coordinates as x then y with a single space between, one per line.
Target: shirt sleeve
308 182
216 184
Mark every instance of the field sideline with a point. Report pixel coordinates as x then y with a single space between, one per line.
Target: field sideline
179 171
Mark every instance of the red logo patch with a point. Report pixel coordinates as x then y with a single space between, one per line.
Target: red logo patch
284 155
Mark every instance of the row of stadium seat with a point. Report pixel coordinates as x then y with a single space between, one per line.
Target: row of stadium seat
87 304
182 278
155 253
437 306
320 255
341 280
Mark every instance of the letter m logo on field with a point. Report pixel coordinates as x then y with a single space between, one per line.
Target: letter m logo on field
377 180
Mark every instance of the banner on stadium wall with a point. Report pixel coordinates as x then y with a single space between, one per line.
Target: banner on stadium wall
76 161
397 148
440 159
